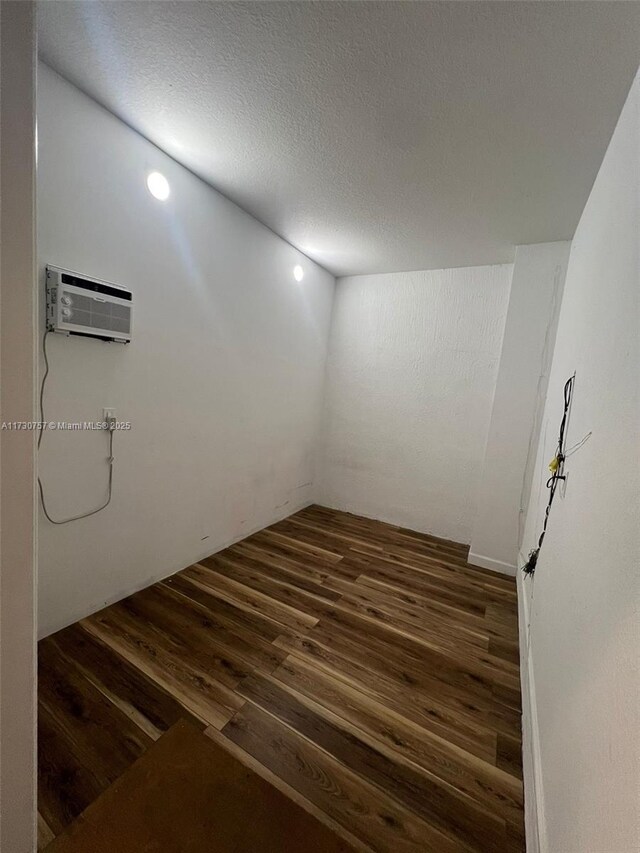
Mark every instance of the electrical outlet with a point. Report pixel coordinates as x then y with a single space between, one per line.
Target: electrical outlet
109 417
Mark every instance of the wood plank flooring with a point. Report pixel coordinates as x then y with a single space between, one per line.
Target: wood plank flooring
365 670
187 794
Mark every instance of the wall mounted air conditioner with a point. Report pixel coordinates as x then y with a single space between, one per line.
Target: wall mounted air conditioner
81 305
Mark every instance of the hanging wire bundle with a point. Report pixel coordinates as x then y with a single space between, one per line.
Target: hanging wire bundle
556 466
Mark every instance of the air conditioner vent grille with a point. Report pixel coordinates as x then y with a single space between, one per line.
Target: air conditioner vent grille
85 311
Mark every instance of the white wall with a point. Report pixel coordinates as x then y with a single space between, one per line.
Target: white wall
222 382
17 448
584 641
534 304
410 381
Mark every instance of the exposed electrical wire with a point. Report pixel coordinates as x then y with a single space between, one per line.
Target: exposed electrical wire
40 435
557 473
577 446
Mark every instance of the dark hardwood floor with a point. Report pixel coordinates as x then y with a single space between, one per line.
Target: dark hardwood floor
365 670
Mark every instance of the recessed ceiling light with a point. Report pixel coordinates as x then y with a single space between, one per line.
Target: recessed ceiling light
158 186
298 272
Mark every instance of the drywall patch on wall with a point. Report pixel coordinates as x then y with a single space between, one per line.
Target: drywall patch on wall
411 373
534 305
584 603
222 382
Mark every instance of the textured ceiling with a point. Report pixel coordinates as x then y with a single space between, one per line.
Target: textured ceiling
372 136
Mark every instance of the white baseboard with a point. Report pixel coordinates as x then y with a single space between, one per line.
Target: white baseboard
489 563
534 818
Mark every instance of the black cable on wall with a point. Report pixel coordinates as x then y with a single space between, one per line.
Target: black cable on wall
557 474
